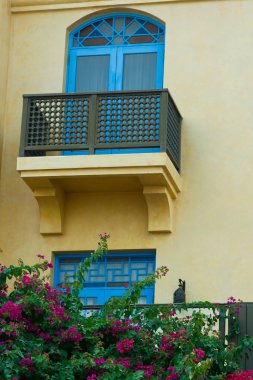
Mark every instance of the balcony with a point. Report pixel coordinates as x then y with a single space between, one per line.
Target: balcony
69 143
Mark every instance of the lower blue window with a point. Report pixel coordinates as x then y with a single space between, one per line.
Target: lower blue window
109 277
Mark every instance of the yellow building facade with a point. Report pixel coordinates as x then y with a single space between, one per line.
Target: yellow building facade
198 222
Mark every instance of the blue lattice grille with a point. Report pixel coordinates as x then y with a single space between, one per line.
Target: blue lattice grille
120 271
118 30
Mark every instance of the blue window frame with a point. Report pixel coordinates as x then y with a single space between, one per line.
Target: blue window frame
116 52
108 277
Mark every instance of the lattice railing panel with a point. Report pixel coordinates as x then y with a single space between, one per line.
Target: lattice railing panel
173 139
57 121
128 119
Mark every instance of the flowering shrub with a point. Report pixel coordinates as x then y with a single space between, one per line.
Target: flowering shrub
240 375
43 334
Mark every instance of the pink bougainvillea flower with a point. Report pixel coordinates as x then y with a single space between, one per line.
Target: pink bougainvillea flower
42 257
26 280
125 345
173 374
148 370
124 361
231 300
200 353
28 363
240 375
99 361
11 310
93 376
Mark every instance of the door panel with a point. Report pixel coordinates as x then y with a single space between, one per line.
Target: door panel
139 71
139 67
92 73
92 70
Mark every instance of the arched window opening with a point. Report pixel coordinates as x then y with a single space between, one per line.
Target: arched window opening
116 52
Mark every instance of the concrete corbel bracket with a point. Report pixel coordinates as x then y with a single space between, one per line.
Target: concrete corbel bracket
51 206
160 208
153 173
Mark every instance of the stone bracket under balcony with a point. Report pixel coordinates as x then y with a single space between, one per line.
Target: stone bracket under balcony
50 177
51 206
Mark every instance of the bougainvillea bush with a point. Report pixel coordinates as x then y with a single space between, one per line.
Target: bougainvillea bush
44 334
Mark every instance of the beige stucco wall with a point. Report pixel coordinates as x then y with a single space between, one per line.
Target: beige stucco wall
5 21
208 69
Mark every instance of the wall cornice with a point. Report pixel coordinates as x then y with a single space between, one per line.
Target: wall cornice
54 5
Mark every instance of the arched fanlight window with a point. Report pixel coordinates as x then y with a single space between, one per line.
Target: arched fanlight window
116 52
118 30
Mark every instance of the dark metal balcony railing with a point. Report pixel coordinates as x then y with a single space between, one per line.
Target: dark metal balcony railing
98 121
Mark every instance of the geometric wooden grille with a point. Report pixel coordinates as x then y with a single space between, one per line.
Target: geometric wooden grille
128 118
118 30
110 271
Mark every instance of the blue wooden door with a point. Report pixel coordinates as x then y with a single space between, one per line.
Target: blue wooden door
115 68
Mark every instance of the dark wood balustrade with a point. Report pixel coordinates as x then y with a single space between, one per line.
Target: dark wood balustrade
108 122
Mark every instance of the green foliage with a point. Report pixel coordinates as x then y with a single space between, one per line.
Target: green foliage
44 335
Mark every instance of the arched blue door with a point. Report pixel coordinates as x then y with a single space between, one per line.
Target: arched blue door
116 52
